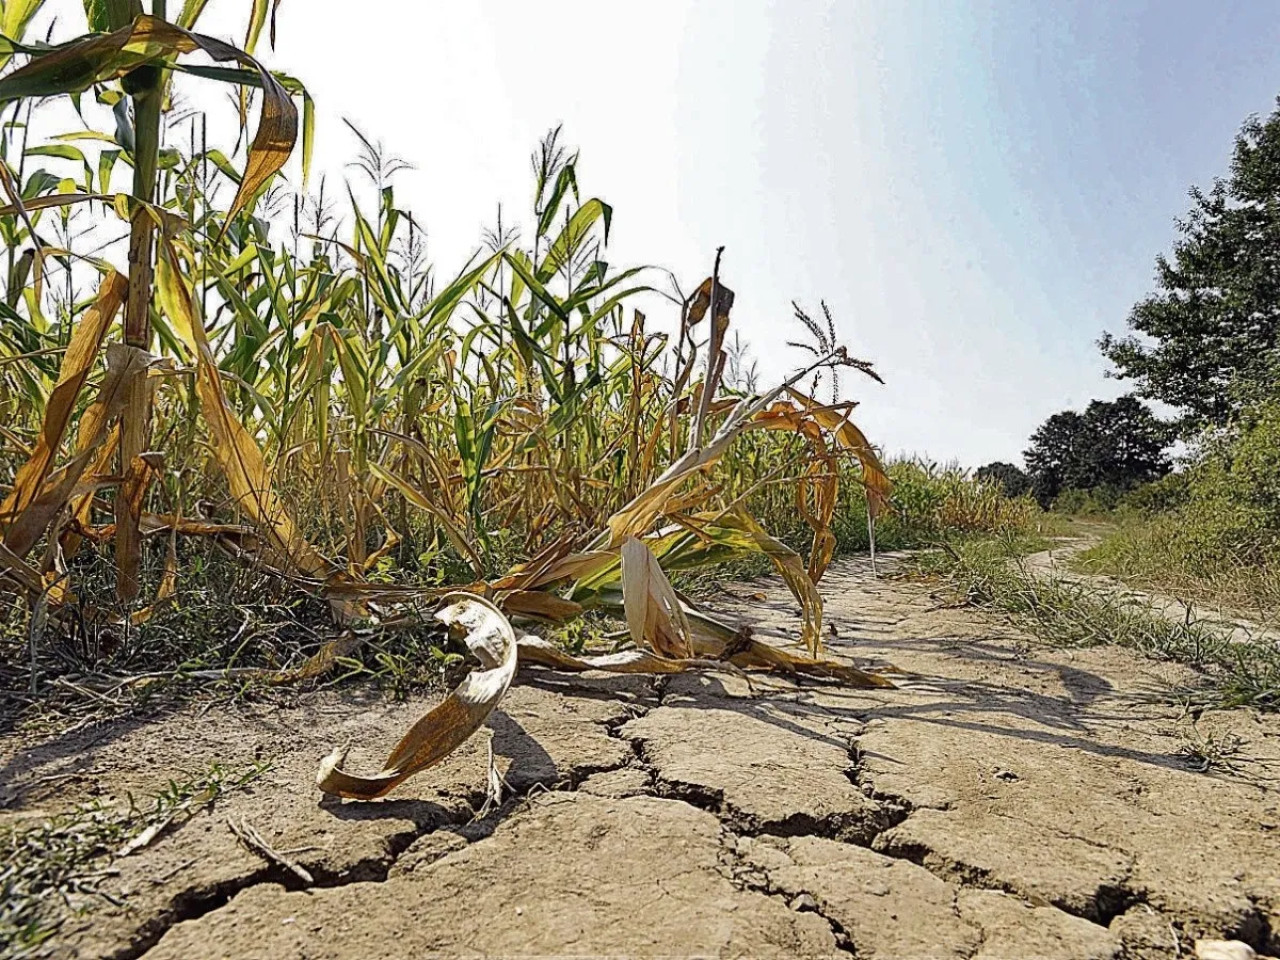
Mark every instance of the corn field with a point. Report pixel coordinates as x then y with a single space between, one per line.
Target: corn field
217 355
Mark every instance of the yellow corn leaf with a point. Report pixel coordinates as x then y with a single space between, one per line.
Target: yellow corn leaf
123 364
821 553
14 17
737 532
81 504
879 486
536 650
717 640
639 515
330 653
491 639
700 303
540 605
389 543
77 362
168 583
792 570
654 615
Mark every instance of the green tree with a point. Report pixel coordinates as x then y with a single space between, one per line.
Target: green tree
1115 445
1011 478
1215 317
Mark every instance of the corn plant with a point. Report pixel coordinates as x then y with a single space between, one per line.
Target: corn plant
220 355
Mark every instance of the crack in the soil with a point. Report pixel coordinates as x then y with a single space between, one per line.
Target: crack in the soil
895 806
1108 902
846 826
746 876
1266 938
193 904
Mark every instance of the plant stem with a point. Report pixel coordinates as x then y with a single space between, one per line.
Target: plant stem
135 426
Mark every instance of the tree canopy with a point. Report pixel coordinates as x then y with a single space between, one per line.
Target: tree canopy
1117 444
1214 319
1011 478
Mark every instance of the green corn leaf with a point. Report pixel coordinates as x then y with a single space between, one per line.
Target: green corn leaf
107 15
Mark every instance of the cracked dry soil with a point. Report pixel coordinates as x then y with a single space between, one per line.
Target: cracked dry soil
1013 800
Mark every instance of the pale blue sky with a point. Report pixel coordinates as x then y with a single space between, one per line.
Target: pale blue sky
977 189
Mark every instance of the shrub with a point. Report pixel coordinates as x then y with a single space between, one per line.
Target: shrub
1087 503
1160 496
1214 528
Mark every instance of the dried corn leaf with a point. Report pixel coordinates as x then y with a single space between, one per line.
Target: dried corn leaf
735 533
346 645
77 362
654 616
879 486
548 571
523 575
540 605
639 514
700 302
821 553
792 570
717 640
168 588
81 505
536 650
123 364
490 638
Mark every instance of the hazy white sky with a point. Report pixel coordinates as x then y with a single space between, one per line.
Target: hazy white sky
977 189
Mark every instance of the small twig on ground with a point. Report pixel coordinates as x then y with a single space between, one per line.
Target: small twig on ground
493 796
252 839
170 874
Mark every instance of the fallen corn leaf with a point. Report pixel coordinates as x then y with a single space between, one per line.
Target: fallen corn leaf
490 637
537 650
654 615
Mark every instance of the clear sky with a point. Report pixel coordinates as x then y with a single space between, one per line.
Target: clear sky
977 189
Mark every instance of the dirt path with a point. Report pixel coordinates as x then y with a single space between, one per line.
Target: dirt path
1017 801
1055 563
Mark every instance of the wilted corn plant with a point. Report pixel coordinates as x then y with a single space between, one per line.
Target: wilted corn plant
326 410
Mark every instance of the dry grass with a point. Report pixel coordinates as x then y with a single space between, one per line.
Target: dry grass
1075 614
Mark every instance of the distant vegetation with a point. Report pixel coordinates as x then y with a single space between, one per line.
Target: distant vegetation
1212 529
1111 447
1207 344
931 503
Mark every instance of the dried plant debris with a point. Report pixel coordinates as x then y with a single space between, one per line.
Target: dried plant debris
490 639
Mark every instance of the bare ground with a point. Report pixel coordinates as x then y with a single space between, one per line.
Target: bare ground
1013 800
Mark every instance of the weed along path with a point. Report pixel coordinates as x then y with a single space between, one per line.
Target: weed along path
1010 800
1055 564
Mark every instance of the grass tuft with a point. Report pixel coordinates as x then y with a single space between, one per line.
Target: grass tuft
60 863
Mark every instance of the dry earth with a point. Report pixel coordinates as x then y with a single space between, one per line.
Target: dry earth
1013 800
